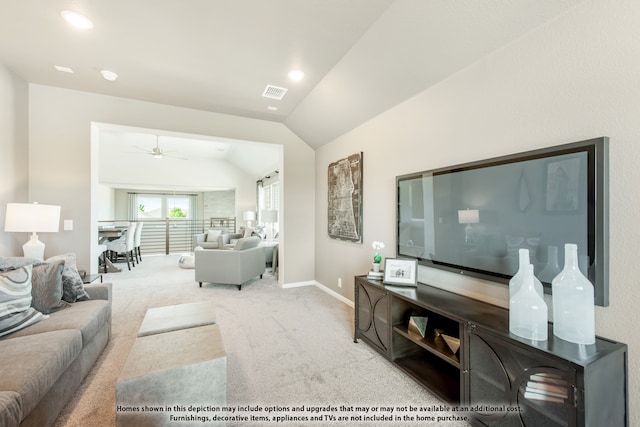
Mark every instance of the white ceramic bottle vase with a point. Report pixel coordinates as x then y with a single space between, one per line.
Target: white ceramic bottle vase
516 281
528 315
573 305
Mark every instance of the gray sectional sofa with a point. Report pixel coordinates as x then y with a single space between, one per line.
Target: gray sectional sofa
43 364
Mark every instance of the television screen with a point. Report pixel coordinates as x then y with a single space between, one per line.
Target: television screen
474 218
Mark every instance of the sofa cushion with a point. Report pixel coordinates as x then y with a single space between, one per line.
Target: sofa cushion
10 412
212 235
209 245
46 287
15 300
87 316
72 285
34 363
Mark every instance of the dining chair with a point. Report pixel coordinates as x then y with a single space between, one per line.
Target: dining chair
137 241
125 245
102 257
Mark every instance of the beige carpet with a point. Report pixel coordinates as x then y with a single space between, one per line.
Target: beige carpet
284 347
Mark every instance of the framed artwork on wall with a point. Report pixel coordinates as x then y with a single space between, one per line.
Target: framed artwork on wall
345 199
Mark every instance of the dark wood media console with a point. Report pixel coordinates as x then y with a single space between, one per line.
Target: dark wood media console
504 379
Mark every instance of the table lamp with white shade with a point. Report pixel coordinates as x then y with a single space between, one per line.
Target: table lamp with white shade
269 217
249 217
32 218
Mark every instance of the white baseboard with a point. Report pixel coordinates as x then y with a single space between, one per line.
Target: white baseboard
298 284
335 294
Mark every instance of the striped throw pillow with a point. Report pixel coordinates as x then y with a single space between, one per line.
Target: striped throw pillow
15 300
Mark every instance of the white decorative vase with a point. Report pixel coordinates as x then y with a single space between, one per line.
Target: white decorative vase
528 317
376 267
573 305
515 284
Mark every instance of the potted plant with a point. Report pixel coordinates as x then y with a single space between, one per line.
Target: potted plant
377 258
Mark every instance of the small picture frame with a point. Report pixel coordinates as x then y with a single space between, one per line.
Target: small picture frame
401 272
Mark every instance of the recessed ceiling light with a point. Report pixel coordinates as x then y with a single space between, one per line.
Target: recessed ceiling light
63 69
80 22
272 108
296 74
109 75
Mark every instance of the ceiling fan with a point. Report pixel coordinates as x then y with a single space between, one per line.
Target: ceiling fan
158 153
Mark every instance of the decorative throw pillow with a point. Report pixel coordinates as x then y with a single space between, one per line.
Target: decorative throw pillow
13 262
46 287
248 232
72 286
212 235
15 301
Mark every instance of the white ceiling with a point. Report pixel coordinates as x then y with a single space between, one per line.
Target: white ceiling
253 158
361 57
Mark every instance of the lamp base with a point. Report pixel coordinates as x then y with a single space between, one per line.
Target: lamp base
34 248
269 228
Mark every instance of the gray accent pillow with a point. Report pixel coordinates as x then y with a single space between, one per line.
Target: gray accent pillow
46 287
72 286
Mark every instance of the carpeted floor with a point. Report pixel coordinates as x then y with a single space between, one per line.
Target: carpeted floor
285 347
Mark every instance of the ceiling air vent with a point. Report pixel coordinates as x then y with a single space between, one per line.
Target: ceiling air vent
274 92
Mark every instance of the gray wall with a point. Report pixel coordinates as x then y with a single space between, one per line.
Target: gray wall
571 79
14 160
220 204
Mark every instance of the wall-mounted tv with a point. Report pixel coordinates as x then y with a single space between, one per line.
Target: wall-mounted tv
473 218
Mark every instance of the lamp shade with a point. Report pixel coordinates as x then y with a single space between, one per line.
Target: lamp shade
468 216
269 216
249 215
32 218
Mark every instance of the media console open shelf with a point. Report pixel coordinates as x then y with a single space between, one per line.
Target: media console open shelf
551 383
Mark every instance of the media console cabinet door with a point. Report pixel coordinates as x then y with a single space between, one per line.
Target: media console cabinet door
372 314
512 386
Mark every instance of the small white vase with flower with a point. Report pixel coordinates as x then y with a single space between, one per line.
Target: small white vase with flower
377 258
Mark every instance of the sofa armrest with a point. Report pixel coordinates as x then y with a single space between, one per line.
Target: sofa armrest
99 291
199 238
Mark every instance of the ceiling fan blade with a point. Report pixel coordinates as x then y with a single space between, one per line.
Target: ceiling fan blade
157 152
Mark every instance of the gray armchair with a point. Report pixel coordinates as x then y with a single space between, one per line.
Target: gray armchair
233 267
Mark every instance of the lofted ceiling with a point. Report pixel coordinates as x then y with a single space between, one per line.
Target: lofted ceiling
360 57
120 145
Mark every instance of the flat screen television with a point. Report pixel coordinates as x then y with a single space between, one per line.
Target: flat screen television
473 218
